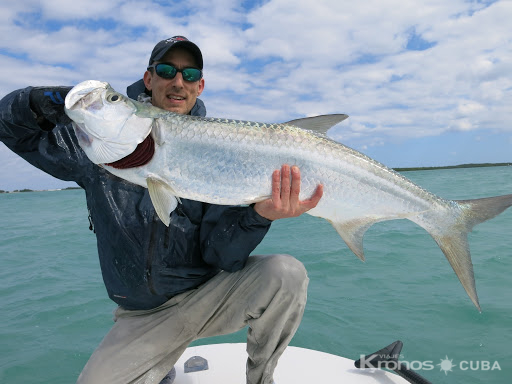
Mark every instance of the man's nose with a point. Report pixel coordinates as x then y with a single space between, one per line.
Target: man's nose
178 80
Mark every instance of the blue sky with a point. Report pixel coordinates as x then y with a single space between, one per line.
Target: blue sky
426 82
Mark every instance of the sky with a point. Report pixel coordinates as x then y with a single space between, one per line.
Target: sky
425 82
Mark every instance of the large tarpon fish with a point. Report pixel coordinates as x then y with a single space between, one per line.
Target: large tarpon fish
230 162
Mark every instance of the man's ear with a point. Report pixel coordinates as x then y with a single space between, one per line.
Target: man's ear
200 87
147 80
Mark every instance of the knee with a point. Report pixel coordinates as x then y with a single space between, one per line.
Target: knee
286 271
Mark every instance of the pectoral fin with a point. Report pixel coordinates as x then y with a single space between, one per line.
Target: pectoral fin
163 198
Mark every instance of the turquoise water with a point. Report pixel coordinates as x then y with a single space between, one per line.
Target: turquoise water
55 311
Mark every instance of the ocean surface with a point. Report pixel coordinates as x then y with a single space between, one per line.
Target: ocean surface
54 308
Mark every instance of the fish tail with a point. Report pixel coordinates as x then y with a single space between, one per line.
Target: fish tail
453 240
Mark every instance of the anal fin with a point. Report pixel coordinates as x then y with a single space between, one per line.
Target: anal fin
352 232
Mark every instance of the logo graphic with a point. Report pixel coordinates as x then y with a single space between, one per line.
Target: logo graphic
446 365
56 98
175 39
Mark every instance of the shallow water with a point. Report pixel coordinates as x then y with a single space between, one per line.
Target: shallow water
55 309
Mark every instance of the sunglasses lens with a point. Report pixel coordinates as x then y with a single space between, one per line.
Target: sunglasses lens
191 74
166 71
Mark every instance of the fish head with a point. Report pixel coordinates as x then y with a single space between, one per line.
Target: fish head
105 122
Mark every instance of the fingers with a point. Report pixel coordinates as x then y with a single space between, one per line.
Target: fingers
276 188
285 201
288 183
295 187
285 185
282 186
315 199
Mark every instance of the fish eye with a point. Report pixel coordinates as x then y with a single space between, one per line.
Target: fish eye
113 98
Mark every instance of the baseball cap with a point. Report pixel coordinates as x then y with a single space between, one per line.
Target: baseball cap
177 41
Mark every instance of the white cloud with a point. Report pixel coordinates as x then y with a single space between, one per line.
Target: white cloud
470 108
78 9
282 59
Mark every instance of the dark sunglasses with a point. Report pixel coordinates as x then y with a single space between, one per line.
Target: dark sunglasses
168 71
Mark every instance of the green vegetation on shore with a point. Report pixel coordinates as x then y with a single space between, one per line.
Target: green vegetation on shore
453 167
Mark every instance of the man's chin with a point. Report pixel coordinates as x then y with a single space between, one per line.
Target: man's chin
180 108
175 109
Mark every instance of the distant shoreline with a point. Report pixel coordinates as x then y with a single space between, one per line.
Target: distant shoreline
395 169
38 190
453 167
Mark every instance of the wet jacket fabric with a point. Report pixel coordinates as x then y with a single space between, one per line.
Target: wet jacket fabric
143 262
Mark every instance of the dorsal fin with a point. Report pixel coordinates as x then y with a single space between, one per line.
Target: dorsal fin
319 124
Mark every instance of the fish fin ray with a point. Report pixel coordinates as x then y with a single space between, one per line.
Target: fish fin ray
453 241
456 249
352 232
163 198
319 124
484 209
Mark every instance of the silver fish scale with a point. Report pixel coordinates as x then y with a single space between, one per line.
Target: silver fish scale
231 162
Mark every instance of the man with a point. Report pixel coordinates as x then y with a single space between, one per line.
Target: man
173 284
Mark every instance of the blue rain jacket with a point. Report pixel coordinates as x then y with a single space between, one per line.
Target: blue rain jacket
143 262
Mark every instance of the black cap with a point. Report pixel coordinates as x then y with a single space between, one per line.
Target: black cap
177 41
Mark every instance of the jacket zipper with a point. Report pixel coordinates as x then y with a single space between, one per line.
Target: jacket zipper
149 259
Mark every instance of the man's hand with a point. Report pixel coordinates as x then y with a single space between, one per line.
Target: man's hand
285 196
47 103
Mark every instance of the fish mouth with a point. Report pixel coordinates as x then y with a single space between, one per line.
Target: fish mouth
83 91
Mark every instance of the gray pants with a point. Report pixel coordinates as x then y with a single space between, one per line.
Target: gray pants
268 295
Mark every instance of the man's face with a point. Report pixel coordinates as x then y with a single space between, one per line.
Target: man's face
175 95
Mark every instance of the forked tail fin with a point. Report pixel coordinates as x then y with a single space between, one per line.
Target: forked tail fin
453 240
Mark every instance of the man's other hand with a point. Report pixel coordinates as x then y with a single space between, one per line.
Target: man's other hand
285 196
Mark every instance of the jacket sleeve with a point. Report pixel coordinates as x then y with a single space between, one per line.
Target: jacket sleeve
55 152
230 234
